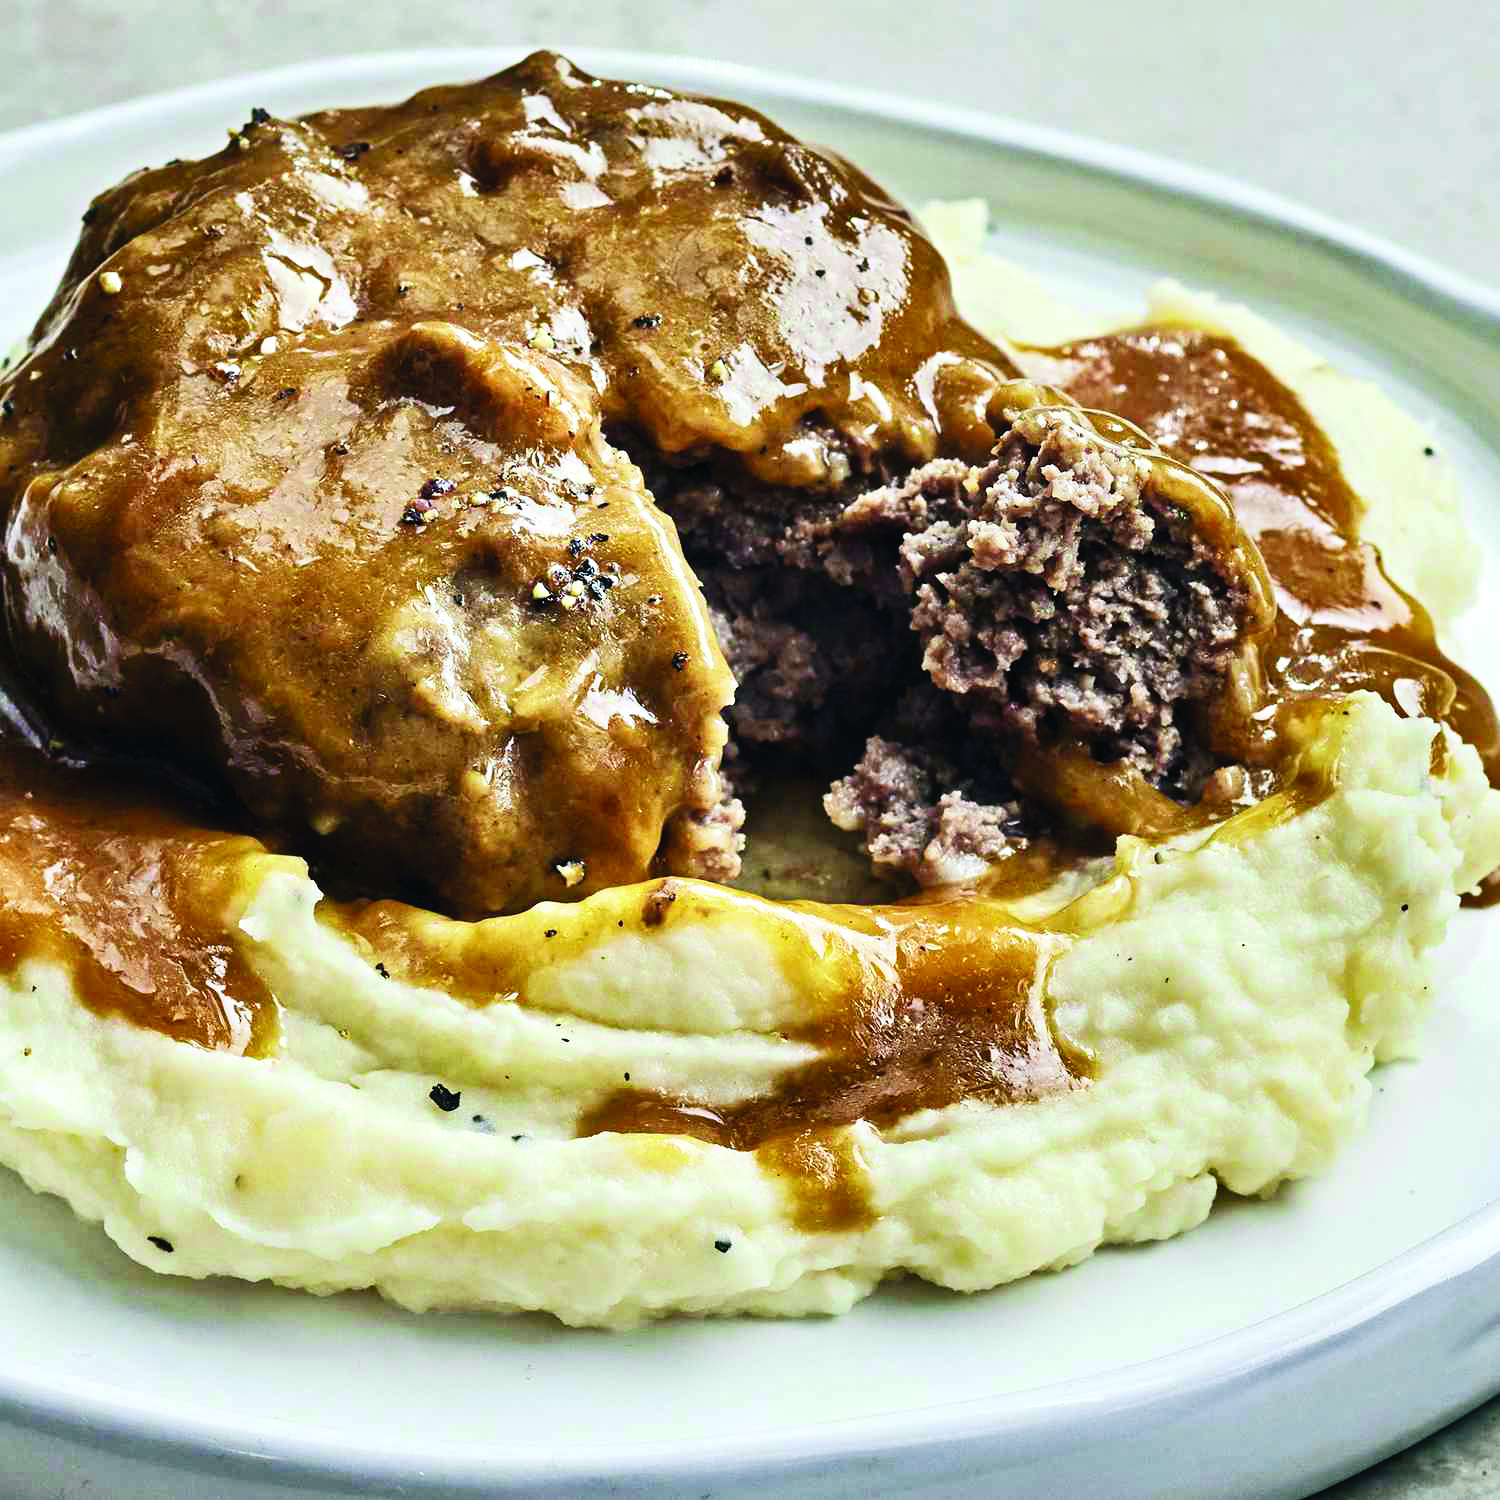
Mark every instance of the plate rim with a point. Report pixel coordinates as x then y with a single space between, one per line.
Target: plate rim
1108 1405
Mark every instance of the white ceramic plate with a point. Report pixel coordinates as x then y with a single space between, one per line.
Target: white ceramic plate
1276 1349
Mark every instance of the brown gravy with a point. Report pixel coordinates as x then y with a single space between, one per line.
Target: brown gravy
914 1007
1341 625
107 876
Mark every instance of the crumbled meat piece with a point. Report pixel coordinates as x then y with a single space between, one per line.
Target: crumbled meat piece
937 837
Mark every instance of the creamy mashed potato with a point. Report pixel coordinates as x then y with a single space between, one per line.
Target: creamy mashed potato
1232 988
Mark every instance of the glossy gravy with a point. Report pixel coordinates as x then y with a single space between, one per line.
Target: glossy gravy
913 1005
113 878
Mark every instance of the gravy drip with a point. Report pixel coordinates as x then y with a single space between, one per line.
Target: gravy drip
1342 624
914 1008
107 876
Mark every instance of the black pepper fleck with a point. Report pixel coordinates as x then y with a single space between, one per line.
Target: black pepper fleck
384 972
722 1246
551 932
679 660
647 320
446 1100
165 1246
1429 451
820 273
354 150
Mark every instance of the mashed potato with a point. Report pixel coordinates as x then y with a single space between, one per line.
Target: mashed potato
1233 989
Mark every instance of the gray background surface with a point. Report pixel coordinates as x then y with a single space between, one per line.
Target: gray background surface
1385 113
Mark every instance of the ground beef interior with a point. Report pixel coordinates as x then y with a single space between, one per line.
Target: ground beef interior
960 616
815 662
1059 598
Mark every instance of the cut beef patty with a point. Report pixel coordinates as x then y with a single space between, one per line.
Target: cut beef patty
1076 601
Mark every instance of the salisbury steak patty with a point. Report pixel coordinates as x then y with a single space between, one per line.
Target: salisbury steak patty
305 476
422 609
